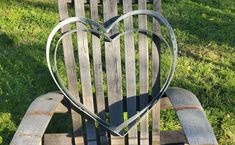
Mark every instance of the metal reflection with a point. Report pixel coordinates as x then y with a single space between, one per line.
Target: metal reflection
101 30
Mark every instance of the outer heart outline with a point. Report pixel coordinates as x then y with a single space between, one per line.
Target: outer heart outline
110 39
115 130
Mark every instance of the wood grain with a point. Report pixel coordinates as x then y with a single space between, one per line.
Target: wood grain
143 71
156 50
85 76
194 122
130 71
36 119
118 1
172 137
70 67
113 69
58 139
97 63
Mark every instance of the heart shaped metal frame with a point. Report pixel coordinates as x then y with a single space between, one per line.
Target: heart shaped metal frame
115 130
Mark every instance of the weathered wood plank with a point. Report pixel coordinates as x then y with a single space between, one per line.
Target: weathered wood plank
182 97
130 71
36 119
165 103
85 77
68 50
172 137
191 116
70 66
96 51
118 1
156 77
167 137
66 139
113 69
61 109
143 71
97 63
58 139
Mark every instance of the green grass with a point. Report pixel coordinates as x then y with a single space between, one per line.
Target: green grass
206 63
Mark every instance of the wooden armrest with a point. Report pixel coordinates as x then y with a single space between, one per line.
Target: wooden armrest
36 119
192 117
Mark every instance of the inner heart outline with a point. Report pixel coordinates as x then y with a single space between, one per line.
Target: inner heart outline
115 130
110 39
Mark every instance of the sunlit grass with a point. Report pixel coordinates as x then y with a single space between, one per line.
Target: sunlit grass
206 40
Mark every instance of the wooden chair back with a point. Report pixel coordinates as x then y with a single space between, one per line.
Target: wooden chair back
116 78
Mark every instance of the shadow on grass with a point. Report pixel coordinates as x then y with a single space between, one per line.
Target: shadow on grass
23 77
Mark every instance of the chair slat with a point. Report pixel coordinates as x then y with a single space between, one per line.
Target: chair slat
156 77
85 76
130 71
143 71
58 139
118 1
113 69
96 48
70 66
97 63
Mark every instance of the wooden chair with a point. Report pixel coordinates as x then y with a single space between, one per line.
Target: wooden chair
195 125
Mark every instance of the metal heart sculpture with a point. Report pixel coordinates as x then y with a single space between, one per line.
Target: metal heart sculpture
101 30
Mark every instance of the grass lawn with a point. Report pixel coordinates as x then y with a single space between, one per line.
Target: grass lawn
205 32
